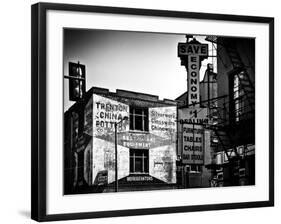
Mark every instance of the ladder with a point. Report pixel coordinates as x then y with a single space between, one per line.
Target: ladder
223 134
239 68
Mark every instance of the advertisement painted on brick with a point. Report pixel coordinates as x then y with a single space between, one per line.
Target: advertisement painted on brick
163 126
106 113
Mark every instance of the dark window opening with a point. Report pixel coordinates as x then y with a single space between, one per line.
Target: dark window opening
238 107
139 161
139 119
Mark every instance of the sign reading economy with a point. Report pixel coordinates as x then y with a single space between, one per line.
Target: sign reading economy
195 53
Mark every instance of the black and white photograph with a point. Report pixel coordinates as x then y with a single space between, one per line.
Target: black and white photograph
139 111
148 111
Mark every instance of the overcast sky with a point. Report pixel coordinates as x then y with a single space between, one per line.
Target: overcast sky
134 61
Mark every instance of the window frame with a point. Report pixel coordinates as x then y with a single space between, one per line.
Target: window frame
145 169
144 118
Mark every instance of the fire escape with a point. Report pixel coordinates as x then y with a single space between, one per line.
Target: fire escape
232 113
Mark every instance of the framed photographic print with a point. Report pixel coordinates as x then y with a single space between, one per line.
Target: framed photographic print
138 111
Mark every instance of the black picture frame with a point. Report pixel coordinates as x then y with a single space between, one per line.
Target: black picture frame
39 122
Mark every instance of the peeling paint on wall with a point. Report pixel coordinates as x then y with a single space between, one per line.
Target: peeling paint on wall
105 113
162 160
160 141
104 159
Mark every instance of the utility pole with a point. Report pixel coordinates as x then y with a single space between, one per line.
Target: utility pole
116 159
116 151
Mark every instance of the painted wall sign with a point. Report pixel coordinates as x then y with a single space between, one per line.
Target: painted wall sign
162 121
104 159
160 140
106 112
136 140
185 49
162 159
139 178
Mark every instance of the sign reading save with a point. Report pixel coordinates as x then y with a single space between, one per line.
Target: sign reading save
192 53
192 49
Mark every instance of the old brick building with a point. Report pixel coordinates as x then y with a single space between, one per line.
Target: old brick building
146 142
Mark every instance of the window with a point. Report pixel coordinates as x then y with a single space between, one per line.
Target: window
139 161
194 168
139 119
238 96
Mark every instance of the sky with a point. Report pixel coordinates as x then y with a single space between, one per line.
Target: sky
134 61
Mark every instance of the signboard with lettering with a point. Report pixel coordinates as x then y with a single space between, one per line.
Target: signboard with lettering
163 126
185 49
191 140
159 141
193 115
193 137
193 80
139 178
192 54
106 112
136 140
162 121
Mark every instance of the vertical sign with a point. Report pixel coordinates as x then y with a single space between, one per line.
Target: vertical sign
193 80
191 55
